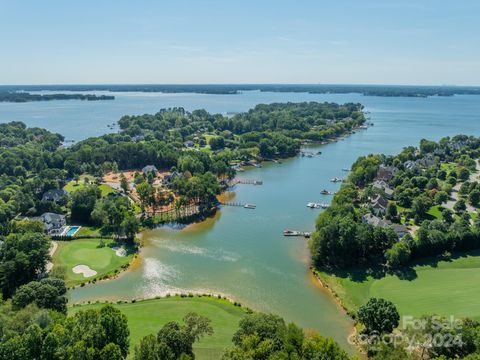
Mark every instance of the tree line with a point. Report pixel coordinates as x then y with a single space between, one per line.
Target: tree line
20 97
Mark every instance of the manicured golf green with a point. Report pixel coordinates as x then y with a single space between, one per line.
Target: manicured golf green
86 252
148 316
447 288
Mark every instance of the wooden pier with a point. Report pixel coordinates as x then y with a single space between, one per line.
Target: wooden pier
245 182
239 204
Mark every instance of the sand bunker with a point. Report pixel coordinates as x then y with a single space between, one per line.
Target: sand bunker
119 251
85 270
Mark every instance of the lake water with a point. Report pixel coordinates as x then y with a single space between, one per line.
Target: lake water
242 253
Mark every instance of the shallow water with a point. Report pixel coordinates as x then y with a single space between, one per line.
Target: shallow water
240 252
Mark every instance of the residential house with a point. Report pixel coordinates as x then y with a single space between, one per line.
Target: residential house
150 169
386 173
54 195
53 222
188 144
409 164
400 229
379 205
375 221
384 187
168 179
427 161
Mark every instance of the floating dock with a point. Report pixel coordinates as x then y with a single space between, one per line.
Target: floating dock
288 232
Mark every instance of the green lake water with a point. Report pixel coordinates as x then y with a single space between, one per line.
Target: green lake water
242 253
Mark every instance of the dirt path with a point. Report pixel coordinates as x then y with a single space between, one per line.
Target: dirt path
52 250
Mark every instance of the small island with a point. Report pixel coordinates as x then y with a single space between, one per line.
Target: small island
21 97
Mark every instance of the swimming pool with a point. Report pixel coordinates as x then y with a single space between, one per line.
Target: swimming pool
72 230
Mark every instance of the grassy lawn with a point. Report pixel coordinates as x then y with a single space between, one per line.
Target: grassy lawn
448 167
148 316
88 231
72 186
444 288
85 252
435 212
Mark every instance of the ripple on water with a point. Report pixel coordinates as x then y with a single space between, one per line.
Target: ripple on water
158 278
218 254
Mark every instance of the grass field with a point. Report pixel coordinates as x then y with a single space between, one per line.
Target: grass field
73 186
443 288
435 212
85 252
148 316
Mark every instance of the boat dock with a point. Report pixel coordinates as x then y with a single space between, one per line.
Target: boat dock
246 182
314 205
296 233
239 204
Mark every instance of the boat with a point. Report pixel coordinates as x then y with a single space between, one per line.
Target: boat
313 205
323 205
249 206
336 179
345 169
291 233
288 232
326 192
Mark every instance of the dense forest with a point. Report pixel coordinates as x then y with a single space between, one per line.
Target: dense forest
370 90
434 195
20 97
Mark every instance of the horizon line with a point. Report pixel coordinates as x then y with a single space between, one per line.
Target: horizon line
239 84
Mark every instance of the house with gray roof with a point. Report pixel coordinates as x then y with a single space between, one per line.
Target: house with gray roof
54 195
384 187
168 179
379 205
53 222
375 221
150 169
386 173
400 229
189 144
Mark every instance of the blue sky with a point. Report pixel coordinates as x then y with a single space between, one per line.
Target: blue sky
243 41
